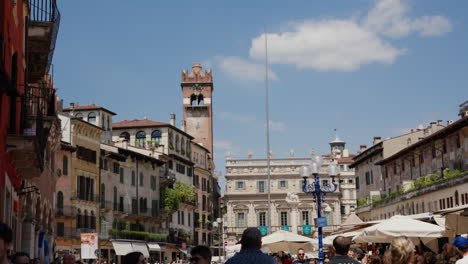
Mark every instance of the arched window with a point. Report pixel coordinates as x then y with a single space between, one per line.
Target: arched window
92 220
177 146
79 116
78 219
182 146
193 100
86 219
140 139
103 195
65 165
125 135
60 202
115 199
200 100
108 123
92 118
171 140
156 136
103 125
189 148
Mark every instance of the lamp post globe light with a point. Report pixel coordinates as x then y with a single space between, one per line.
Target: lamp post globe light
319 192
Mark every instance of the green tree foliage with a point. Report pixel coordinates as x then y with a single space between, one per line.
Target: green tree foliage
173 196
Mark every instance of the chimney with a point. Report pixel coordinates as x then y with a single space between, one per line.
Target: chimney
412 130
449 122
377 140
172 119
439 122
362 148
432 124
125 144
182 125
72 105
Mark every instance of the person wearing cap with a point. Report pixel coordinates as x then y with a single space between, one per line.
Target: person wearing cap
461 244
250 253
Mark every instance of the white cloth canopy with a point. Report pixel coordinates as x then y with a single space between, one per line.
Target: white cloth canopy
396 226
329 239
154 247
288 242
122 248
141 247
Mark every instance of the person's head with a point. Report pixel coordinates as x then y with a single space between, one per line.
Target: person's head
134 258
341 245
311 261
401 251
350 253
251 238
38 261
69 259
360 256
6 238
375 259
301 254
200 255
461 244
20 258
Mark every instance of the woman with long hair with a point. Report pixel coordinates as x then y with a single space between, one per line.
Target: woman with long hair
401 251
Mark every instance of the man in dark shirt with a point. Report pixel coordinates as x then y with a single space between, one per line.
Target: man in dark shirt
341 246
301 257
250 253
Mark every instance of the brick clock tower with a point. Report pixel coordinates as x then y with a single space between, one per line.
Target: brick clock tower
197 90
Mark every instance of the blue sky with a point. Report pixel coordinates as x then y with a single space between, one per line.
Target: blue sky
366 67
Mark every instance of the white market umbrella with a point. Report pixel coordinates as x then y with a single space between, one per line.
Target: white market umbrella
288 242
387 230
329 239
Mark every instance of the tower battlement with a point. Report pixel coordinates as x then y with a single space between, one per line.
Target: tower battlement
197 75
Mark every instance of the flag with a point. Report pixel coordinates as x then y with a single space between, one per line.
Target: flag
40 241
46 252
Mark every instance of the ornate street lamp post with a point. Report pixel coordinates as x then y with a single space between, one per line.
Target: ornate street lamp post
318 191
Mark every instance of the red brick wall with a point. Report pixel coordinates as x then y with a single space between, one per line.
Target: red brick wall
12 31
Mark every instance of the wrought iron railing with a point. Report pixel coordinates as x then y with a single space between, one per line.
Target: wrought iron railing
46 11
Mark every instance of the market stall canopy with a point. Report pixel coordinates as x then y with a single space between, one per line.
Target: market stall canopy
352 220
122 248
288 242
396 226
141 247
329 239
154 247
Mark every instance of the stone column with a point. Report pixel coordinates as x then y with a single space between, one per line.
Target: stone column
28 237
294 222
251 219
293 201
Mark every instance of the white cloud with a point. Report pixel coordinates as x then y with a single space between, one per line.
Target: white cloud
347 44
326 45
225 146
389 17
244 70
252 121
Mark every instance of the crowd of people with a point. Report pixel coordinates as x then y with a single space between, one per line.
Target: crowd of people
400 251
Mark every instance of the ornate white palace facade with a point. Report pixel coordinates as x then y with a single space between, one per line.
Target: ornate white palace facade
246 195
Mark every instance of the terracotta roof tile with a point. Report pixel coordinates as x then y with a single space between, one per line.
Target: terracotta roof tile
345 160
138 123
87 107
